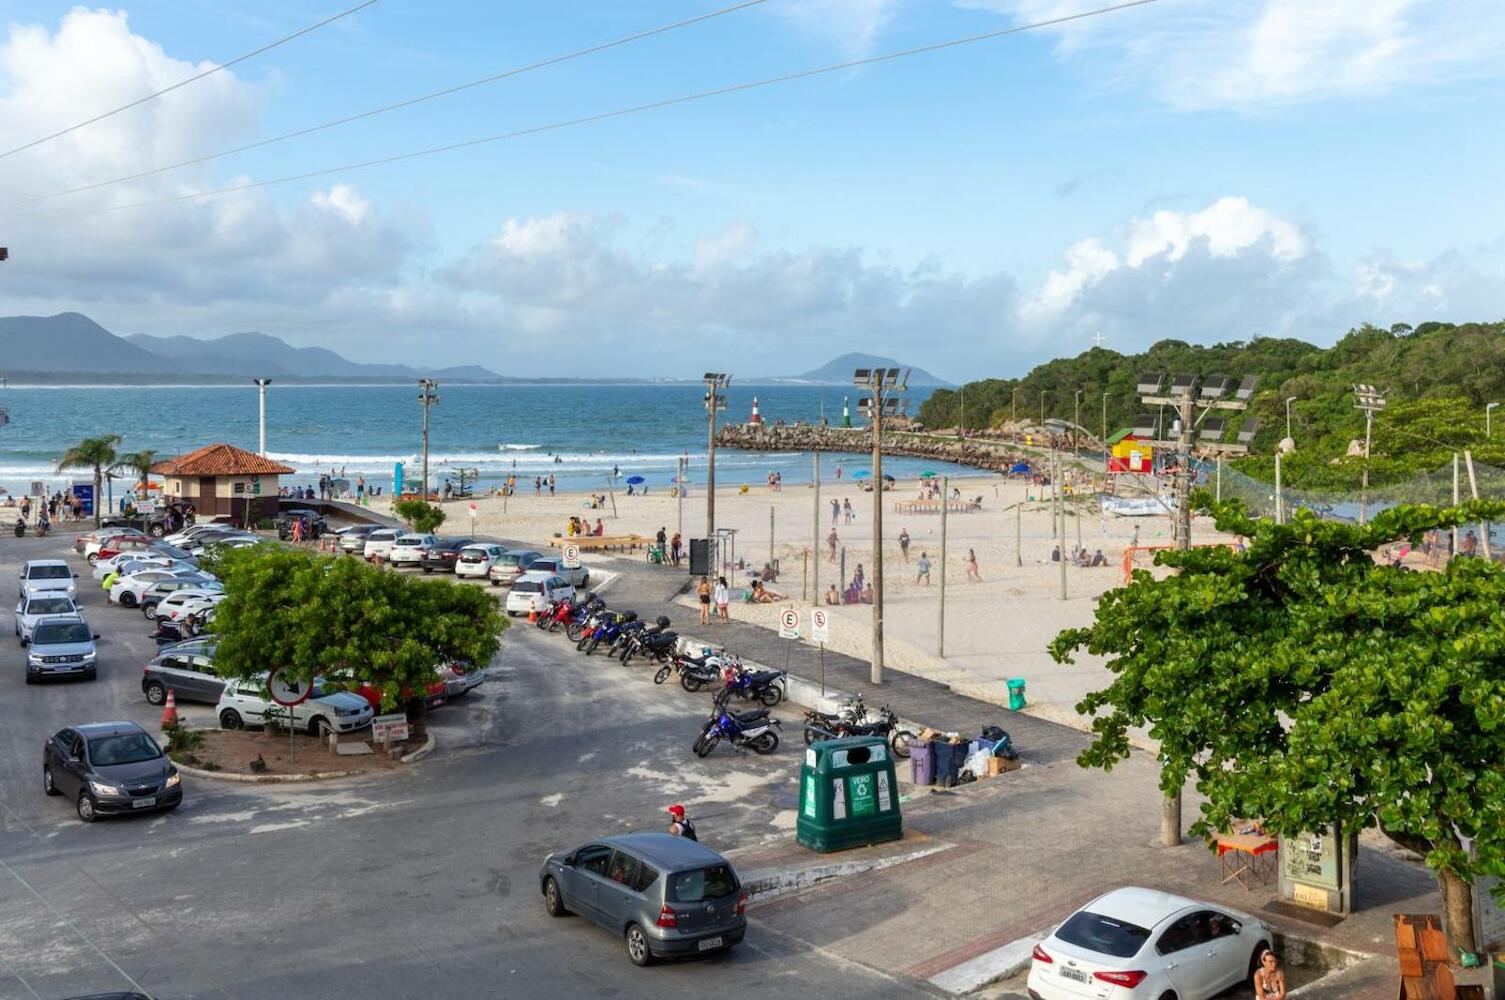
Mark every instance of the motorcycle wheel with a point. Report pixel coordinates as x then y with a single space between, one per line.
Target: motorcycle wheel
691 683
543 621
771 695
592 647
898 742
626 655
662 675
581 644
572 632
705 745
765 743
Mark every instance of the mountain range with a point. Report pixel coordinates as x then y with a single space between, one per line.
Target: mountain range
839 372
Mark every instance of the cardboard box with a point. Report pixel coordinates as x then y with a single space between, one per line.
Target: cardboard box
928 734
1001 765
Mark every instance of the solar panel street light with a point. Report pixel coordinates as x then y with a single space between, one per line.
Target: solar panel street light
1213 386
1150 383
1144 425
862 376
1182 385
1212 428
1245 390
1246 433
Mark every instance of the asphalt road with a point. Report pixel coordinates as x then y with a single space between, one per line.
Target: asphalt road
420 884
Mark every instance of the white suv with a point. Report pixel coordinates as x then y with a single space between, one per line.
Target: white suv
46 576
380 542
409 549
476 560
535 591
245 702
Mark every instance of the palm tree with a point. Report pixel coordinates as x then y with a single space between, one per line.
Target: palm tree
139 462
96 453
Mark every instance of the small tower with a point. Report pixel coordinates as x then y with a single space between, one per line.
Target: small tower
756 418
846 413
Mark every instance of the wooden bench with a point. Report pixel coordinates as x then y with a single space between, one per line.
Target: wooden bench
934 506
601 543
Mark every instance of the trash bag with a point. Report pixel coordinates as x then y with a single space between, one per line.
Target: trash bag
1003 743
976 765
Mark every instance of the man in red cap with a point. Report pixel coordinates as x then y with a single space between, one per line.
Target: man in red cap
681 826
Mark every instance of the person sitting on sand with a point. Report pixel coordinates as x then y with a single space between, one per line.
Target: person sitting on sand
866 597
600 528
1098 559
762 595
833 596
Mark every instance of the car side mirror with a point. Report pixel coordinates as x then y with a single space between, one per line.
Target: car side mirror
568 861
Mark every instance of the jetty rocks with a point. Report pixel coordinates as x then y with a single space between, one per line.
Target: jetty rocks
981 452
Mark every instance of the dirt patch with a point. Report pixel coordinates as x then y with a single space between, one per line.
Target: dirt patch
233 750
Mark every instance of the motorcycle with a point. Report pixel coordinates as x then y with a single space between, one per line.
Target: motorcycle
885 725
584 619
555 613
20 527
644 639
824 725
761 685
745 730
608 631
696 673
43 526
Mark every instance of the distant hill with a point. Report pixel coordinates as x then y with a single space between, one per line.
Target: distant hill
839 372
73 344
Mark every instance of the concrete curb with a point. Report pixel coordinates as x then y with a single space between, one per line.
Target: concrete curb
423 751
766 885
264 779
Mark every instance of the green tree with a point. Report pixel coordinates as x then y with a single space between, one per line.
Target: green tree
139 462
341 618
422 516
96 454
1304 682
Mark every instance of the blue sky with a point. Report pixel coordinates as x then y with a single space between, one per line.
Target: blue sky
1203 170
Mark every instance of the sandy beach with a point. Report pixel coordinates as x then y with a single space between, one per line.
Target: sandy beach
995 629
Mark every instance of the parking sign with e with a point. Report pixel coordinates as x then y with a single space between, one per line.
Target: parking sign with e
571 556
820 625
789 624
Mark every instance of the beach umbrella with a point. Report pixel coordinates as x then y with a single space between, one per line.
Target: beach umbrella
862 472
889 479
635 480
927 474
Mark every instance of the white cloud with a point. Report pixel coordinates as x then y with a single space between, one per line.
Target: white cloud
853 25
1250 53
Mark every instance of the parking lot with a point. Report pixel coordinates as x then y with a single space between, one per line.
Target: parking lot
422 883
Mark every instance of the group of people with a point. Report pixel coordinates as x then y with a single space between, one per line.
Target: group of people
842 509
776 482
720 595
57 507
671 549
579 526
1079 556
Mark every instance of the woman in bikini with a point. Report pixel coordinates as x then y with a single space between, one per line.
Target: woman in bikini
1269 978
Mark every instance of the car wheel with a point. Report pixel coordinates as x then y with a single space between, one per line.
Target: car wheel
319 726
637 946
127 600
48 785
91 674
156 693
157 530
149 609
1168 995
496 583
553 903
230 719
86 811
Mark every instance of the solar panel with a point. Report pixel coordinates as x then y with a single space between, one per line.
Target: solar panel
1182 385
1144 425
1212 428
1150 382
1213 386
1246 433
1245 390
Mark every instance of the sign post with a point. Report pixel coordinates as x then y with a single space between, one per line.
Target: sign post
389 729
288 691
473 509
820 632
571 553
789 630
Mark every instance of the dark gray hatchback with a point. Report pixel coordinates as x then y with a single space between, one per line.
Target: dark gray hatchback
109 767
666 896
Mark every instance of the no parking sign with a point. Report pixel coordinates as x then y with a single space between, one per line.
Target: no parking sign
571 555
789 624
820 625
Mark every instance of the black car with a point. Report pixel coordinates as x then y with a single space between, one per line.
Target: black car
154 522
441 558
314 524
110 767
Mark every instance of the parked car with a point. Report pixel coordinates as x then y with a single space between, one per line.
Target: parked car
154 594
579 576
40 607
353 538
187 670
88 544
245 702
118 562
409 549
513 564
153 522
123 543
435 692
475 560
380 542
242 540
440 557
61 647
1135 943
40 576
109 767
188 601
665 896
128 590
534 591
200 531
314 523
459 682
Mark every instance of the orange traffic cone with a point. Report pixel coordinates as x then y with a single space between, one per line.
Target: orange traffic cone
170 711
532 616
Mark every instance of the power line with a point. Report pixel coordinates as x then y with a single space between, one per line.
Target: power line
409 102
199 76
606 115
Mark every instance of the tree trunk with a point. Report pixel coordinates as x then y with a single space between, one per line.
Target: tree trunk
98 497
1170 814
1457 912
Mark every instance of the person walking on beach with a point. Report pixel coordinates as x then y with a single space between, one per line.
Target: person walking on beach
831 546
835 511
922 569
846 509
904 543
551 484
972 573
703 592
723 597
538 486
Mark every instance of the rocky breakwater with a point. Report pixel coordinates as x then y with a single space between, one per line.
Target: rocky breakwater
982 453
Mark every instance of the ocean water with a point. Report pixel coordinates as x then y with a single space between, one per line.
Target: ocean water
579 434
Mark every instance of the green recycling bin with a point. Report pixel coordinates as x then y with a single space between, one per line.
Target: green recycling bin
1016 694
849 796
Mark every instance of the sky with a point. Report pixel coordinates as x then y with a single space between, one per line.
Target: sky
1205 170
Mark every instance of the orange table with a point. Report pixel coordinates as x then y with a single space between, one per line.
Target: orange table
1245 856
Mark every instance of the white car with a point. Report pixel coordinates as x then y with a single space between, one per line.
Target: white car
380 542
535 591
1140 943
187 602
127 590
119 562
204 543
408 550
39 607
475 561
245 702
50 576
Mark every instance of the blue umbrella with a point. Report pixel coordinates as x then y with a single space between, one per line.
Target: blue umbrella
635 480
862 472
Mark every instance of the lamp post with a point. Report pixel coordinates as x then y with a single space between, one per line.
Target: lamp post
427 397
1076 426
1042 407
261 393
885 389
1105 434
1487 428
1371 401
1289 401
715 400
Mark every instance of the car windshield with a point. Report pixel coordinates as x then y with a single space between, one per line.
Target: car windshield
1103 935
527 587
52 633
714 882
49 573
163 549
50 606
125 748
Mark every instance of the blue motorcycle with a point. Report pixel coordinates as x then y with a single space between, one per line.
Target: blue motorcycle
758 685
609 630
745 730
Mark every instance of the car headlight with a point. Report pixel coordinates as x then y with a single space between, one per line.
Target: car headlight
103 788
89 656
33 661
173 780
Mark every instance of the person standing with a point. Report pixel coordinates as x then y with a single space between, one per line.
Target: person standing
904 543
703 591
723 597
679 823
922 569
831 545
676 545
297 530
26 509
846 509
835 511
972 572
551 484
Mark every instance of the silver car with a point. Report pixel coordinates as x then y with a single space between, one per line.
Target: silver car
577 576
61 647
46 575
39 607
665 896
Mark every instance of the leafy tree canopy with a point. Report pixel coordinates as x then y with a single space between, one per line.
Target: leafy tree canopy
1303 682
421 515
344 619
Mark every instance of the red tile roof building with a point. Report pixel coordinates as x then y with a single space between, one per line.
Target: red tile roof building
224 479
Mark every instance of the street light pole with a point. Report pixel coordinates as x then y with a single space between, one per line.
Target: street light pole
1014 407
886 388
1105 434
1370 400
1289 401
1042 407
715 400
1076 426
261 394
1487 428
428 399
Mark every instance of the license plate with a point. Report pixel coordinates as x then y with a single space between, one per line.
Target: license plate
707 944
143 803
1076 974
